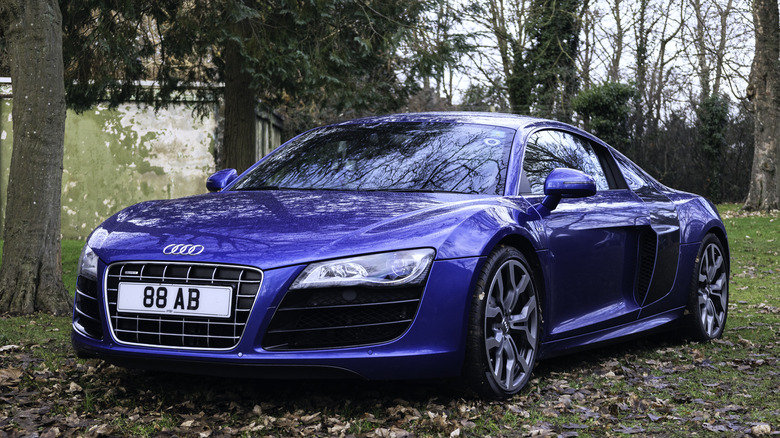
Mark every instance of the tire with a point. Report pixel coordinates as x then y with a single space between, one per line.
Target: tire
504 326
709 296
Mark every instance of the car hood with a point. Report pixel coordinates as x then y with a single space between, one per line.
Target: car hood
270 229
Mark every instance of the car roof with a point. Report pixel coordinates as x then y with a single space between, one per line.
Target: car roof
481 118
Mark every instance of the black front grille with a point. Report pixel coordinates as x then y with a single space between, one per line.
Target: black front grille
341 317
647 248
86 315
183 331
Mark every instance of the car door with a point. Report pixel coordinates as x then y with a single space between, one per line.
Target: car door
661 242
593 242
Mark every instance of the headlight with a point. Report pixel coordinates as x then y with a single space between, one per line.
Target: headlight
88 262
386 269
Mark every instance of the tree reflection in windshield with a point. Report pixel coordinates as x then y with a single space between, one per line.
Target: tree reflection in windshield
390 156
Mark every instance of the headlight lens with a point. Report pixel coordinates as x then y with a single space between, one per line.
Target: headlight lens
88 262
387 269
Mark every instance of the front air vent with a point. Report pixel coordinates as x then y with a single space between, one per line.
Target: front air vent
647 248
341 317
86 315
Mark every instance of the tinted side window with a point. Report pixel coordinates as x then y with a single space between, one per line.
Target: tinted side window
547 150
634 176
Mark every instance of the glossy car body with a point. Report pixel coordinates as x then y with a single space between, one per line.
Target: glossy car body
605 266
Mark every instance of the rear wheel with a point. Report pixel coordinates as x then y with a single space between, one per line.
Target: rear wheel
708 302
504 326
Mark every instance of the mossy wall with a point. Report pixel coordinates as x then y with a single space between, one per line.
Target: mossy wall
116 158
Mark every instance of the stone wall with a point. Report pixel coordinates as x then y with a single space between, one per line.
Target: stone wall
116 158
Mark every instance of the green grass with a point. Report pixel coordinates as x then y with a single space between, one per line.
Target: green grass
71 250
657 386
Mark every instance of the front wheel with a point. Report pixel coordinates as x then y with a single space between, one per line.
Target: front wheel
708 303
504 326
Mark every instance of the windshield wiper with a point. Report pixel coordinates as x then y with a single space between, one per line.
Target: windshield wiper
260 188
410 190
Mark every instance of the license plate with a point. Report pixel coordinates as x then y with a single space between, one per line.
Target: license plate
174 299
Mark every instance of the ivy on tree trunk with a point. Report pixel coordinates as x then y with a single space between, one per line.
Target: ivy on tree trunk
240 107
31 273
764 92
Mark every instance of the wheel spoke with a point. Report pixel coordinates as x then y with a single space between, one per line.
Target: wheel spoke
718 259
525 321
711 261
525 362
705 266
510 293
720 317
524 280
510 349
711 318
717 285
492 343
497 290
722 296
498 362
491 310
704 310
702 298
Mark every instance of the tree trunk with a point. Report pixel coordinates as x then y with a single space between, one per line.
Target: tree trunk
638 145
701 50
613 73
764 92
240 105
31 273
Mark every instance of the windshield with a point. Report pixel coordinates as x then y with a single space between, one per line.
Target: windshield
436 157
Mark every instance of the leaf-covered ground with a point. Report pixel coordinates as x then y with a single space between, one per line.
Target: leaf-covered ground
658 386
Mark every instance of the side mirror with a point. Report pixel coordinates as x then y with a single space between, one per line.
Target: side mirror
221 179
566 183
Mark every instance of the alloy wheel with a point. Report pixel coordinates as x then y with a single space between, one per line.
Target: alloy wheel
712 290
511 325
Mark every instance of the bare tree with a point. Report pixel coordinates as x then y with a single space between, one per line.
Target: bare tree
499 31
586 55
709 34
31 274
665 57
609 38
617 46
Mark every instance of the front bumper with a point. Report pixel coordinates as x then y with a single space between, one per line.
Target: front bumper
432 347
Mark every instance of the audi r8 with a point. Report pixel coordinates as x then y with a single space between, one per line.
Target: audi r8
410 246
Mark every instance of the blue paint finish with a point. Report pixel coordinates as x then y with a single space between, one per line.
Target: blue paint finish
589 250
605 336
592 242
221 179
428 345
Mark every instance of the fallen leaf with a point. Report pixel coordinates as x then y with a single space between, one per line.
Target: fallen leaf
10 375
761 429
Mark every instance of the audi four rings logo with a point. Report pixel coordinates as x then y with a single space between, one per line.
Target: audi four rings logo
182 249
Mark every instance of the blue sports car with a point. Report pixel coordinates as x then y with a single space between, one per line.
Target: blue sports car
405 246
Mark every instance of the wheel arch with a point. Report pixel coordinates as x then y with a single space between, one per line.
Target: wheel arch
473 373
721 235
522 244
